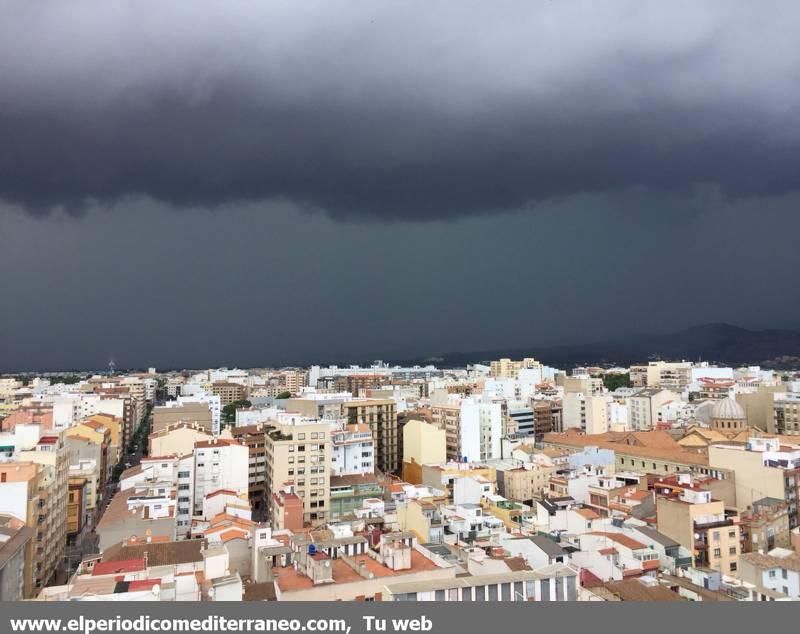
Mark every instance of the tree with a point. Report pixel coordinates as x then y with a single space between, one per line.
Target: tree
613 381
229 411
283 395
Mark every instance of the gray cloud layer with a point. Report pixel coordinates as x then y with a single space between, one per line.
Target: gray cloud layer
394 110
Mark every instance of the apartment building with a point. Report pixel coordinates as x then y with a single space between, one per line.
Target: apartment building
353 451
785 413
764 467
765 526
547 416
380 415
586 412
77 512
448 418
214 404
168 415
50 454
220 464
643 407
16 540
228 392
675 376
176 439
20 498
423 443
254 437
778 570
687 513
298 454
480 430
508 369
293 380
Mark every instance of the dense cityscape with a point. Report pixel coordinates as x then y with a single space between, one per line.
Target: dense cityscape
504 481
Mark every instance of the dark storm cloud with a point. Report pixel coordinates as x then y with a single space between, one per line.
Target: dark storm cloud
394 110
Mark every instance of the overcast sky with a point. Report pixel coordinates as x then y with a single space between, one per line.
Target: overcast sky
263 183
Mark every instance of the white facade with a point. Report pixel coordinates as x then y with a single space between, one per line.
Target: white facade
353 452
214 405
481 428
219 464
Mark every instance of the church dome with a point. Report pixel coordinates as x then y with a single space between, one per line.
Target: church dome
728 409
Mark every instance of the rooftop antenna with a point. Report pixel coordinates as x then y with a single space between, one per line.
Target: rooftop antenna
111 366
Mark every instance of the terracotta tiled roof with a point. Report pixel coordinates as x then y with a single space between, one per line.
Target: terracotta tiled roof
622 540
118 566
158 553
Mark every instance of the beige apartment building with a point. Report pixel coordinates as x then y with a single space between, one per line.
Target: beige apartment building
643 407
299 454
423 443
51 456
757 477
19 498
228 392
508 369
585 412
177 439
688 514
448 418
759 406
293 380
785 414
666 375
524 482
381 417
197 413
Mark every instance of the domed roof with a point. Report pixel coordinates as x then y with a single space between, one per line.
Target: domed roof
728 409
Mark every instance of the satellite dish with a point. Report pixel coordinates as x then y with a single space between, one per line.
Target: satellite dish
156 589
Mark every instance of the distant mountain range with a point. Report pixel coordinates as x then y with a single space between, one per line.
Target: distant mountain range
719 342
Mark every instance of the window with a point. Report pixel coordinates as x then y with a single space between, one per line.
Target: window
784 573
717 552
716 536
733 566
771 574
301 436
732 550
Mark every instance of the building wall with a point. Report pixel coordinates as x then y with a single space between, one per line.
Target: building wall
177 442
753 480
294 455
424 443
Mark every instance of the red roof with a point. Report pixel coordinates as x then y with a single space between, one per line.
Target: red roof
116 567
142 584
589 579
622 540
